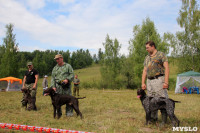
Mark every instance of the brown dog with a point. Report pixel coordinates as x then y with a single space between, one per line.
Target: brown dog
59 100
29 100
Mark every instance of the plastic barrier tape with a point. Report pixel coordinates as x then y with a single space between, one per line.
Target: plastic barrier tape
37 129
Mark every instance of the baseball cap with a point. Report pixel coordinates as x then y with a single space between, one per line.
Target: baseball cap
29 63
58 56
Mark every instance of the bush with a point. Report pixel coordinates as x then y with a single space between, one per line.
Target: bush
89 85
172 84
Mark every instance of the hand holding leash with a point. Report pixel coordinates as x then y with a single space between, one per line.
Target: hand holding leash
165 86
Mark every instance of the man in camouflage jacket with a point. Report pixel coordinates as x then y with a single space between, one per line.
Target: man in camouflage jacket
62 76
156 69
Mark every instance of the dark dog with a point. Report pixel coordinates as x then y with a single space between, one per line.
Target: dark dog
29 100
59 100
151 104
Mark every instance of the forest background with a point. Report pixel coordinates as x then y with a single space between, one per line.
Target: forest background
117 71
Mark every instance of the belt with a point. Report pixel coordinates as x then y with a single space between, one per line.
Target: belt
30 83
155 77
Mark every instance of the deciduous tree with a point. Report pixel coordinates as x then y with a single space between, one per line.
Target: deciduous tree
187 46
9 61
141 34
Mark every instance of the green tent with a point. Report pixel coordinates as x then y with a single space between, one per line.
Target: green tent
184 77
189 73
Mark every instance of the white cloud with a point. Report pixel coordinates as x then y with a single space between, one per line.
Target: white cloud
85 24
30 48
63 2
2 32
35 4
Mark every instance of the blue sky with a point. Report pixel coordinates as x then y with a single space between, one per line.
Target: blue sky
76 24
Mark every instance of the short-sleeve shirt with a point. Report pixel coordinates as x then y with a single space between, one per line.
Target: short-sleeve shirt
30 76
154 64
76 81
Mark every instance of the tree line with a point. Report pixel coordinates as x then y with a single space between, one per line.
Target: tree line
14 62
117 71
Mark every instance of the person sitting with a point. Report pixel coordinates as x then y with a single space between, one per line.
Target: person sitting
185 90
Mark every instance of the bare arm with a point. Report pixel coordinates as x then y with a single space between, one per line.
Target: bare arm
166 83
36 80
24 80
144 75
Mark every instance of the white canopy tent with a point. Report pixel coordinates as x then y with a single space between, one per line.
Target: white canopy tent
184 77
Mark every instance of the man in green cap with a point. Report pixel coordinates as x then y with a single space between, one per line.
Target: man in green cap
30 82
62 76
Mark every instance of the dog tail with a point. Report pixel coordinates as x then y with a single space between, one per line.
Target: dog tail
80 97
175 101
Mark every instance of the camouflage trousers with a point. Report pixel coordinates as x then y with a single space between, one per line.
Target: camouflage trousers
67 90
155 89
76 89
33 96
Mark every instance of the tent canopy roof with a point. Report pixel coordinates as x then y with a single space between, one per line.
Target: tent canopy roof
189 73
11 79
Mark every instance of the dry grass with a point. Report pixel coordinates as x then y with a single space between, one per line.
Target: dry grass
104 111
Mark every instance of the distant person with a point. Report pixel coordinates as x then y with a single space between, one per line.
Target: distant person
76 82
62 76
45 83
156 69
30 82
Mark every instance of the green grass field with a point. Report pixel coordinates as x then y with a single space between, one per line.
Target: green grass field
107 111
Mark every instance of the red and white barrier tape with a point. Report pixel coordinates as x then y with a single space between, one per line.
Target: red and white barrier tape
37 129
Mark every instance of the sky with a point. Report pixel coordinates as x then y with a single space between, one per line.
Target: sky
83 24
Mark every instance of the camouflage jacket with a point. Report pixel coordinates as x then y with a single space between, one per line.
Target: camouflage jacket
154 64
60 73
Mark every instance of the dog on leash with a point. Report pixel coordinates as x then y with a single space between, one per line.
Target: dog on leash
151 104
58 100
29 100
